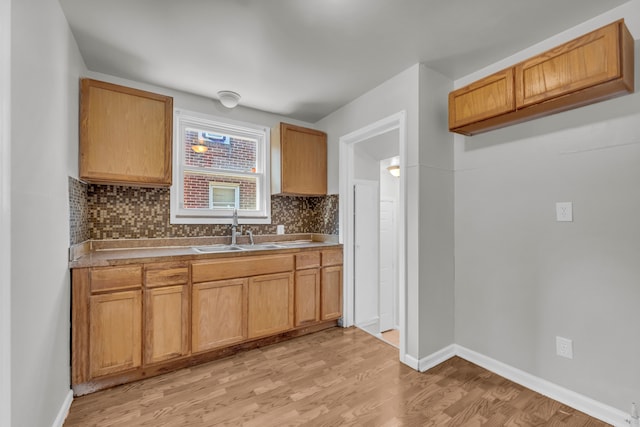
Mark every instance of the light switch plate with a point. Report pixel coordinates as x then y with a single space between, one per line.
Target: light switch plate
564 212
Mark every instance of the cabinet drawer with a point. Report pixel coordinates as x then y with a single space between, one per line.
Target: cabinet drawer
165 274
114 278
205 271
332 257
307 260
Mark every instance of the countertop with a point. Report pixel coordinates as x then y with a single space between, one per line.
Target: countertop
95 253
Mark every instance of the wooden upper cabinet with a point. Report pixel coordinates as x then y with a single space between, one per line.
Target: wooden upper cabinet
125 135
587 61
489 97
591 68
298 160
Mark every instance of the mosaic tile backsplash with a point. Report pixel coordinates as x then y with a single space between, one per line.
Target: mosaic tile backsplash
79 228
101 212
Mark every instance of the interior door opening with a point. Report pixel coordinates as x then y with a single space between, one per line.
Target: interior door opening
361 154
375 251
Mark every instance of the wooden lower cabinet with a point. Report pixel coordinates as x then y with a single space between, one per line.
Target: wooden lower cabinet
166 323
331 291
219 314
307 296
270 304
138 320
115 334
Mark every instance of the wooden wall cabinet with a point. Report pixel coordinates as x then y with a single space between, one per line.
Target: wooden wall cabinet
481 100
125 135
298 161
589 69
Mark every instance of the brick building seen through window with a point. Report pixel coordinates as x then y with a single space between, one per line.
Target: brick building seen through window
211 181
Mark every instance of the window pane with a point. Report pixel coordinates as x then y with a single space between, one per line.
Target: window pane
197 189
223 197
222 151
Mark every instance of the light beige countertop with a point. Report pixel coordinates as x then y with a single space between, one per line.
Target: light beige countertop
95 253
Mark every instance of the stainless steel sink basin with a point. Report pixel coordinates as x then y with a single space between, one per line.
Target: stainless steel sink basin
217 248
260 246
295 243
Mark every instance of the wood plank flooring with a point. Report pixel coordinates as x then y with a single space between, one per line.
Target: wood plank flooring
392 337
336 377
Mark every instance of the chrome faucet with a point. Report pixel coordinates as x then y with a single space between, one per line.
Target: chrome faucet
234 227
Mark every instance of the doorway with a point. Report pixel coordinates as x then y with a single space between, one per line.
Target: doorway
361 156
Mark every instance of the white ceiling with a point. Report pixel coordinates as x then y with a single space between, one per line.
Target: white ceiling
306 58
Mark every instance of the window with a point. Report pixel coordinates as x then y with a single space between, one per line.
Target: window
219 165
223 196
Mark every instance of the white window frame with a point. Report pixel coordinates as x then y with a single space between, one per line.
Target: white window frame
223 185
183 119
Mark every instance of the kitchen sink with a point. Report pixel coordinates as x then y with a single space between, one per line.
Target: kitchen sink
259 246
217 248
295 243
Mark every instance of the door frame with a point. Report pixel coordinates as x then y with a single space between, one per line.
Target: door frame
346 211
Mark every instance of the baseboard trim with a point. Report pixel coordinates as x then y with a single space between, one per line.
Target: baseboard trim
577 401
64 410
434 359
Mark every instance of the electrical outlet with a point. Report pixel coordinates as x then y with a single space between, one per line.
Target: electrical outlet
564 347
564 211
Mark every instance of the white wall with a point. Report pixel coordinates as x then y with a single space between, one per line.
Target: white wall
5 213
521 277
203 105
429 195
45 65
399 93
433 228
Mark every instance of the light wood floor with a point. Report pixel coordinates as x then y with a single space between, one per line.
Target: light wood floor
392 337
337 377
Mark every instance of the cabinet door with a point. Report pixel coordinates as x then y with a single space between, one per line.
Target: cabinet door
115 338
219 314
307 296
331 292
581 63
270 304
125 135
166 323
304 160
486 98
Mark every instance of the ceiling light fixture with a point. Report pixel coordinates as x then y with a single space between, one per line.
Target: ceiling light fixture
394 166
229 98
200 147
394 170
